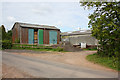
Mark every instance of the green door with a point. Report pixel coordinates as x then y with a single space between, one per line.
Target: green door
52 37
40 36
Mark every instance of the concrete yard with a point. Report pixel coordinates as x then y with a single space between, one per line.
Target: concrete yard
12 72
73 58
56 65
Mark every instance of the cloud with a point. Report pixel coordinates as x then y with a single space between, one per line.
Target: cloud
58 23
66 16
39 0
11 19
42 9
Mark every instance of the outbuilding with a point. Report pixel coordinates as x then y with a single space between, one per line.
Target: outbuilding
81 37
26 33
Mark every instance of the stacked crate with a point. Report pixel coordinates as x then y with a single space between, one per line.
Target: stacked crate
35 37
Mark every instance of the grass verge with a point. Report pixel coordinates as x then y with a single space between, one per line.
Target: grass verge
37 48
91 49
104 61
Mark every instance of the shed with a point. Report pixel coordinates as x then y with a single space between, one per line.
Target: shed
26 33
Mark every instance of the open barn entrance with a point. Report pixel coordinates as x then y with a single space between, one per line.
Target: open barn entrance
35 36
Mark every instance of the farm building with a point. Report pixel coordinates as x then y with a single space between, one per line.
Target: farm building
79 37
25 33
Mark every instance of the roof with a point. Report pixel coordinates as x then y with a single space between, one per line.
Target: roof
36 26
81 32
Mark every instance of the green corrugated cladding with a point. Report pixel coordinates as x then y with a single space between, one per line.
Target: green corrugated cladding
31 36
40 36
52 37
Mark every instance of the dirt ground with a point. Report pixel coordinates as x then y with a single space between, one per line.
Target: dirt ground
12 72
73 58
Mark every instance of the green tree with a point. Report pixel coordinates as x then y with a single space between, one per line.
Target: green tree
105 25
3 32
5 35
9 35
6 38
0 33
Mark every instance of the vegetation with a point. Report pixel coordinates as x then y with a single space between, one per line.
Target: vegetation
0 38
105 61
6 38
6 44
37 47
91 49
105 25
17 41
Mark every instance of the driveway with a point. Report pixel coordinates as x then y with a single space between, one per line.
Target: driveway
38 67
73 58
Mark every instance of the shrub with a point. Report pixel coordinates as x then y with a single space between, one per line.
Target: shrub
6 44
0 44
59 49
17 41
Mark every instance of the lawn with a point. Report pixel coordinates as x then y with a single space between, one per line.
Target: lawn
104 61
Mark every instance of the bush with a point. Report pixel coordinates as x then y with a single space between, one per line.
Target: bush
6 44
60 49
17 41
92 48
0 44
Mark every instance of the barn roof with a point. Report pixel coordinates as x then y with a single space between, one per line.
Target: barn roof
36 25
80 32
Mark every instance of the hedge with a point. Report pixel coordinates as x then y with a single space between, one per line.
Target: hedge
6 44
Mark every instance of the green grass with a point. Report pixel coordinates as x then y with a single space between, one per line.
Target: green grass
104 61
91 49
18 45
37 48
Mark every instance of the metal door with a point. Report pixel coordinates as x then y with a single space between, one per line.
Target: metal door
40 36
31 36
52 37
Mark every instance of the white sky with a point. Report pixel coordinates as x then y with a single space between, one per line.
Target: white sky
68 16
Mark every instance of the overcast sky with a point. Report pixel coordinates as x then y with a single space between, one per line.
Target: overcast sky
68 16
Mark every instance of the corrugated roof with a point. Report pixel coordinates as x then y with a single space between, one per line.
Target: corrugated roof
76 32
36 25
